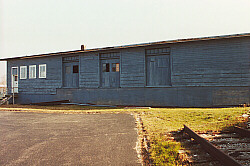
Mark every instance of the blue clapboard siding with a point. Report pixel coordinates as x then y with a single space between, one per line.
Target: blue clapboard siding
38 85
203 74
89 70
211 63
169 96
132 67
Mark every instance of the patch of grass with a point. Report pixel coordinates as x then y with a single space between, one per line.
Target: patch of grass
165 152
160 122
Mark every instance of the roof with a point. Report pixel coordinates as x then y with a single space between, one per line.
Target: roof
133 45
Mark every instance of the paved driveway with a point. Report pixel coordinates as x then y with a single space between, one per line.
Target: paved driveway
67 139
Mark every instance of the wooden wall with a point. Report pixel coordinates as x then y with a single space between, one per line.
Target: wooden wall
211 63
89 71
203 73
133 67
38 85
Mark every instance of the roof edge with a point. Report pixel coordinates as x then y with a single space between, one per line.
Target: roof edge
133 45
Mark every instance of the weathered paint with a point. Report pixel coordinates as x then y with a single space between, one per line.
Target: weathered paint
194 74
169 96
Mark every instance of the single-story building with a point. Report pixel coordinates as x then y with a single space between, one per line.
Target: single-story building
196 72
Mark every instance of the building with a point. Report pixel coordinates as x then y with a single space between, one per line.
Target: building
195 72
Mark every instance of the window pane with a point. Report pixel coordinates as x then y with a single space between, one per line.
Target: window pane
75 69
23 72
14 71
105 67
32 71
42 71
115 67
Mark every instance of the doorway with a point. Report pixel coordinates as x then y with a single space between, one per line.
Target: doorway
110 70
14 80
158 67
110 73
71 72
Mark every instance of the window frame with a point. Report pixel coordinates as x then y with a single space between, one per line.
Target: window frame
30 71
106 66
25 72
45 71
115 67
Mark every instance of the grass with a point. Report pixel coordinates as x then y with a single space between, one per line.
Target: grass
199 119
159 123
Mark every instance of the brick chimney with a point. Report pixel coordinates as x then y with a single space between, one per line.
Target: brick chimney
82 47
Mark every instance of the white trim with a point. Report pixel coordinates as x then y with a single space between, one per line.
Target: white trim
14 84
12 70
42 75
25 72
32 71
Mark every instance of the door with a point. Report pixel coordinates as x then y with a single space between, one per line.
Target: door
14 80
110 74
158 70
71 74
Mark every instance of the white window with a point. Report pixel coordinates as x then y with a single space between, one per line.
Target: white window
32 71
23 72
42 71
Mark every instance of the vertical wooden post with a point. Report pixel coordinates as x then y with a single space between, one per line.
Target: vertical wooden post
13 95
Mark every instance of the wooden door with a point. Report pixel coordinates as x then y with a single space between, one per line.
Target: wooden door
158 70
110 74
71 74
75 74
115 73
14 80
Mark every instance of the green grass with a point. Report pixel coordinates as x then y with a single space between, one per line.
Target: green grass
199 119
165 152
159 123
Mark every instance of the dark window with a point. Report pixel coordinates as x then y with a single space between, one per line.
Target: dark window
75 69
14 71
115 67
105 67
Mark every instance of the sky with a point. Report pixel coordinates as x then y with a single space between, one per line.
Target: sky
30 27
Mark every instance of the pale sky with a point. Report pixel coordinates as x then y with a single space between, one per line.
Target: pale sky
29 27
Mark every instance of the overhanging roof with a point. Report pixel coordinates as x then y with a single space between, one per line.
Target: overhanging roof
132 46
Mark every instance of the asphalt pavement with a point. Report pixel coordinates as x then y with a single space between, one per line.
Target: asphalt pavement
67 139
